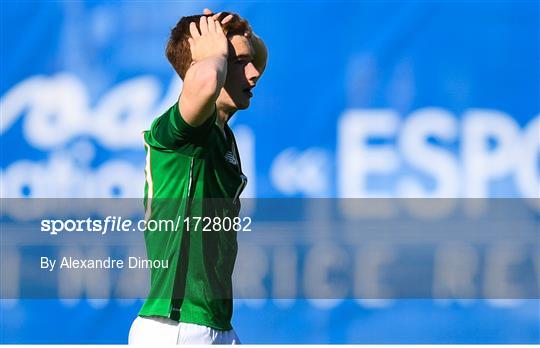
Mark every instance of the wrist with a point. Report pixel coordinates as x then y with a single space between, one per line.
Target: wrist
213 57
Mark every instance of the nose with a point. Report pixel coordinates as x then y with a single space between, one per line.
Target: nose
252 74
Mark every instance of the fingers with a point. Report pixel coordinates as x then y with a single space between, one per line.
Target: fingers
216 16
193 30
206 25
211 25
203 25
227 19
219 29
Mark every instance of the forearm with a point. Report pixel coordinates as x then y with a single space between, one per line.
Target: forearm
207 76
202 85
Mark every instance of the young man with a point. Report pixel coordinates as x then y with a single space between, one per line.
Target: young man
192 158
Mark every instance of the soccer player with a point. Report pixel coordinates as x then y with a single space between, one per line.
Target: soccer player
192 157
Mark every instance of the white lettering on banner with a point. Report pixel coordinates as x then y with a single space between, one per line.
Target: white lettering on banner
304 172
74 285
251 268
528 162
480 162
356 159
430 153
371 260
284 275
331 273
455 267
61 178
437 162
500 279
58 109
492 148
324 275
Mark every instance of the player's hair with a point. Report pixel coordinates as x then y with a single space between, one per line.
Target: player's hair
178 52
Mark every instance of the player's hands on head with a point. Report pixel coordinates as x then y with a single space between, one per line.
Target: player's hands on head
231 17
261 52
217 16
208 40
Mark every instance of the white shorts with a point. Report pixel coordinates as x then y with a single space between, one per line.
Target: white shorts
160 330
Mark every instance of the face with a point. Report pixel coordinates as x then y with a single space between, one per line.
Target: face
241 75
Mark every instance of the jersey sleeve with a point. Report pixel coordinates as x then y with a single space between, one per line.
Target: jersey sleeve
171 131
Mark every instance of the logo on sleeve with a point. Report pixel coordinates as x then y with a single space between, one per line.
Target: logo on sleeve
229 157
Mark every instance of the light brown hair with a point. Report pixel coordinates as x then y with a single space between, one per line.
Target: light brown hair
178 52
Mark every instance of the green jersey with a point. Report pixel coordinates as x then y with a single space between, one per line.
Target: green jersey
187 167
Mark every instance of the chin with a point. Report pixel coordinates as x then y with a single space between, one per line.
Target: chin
242 106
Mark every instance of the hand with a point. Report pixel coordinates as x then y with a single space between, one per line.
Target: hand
229 18
261 52
216 16
207 41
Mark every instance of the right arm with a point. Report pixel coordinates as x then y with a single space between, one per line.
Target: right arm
207 74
